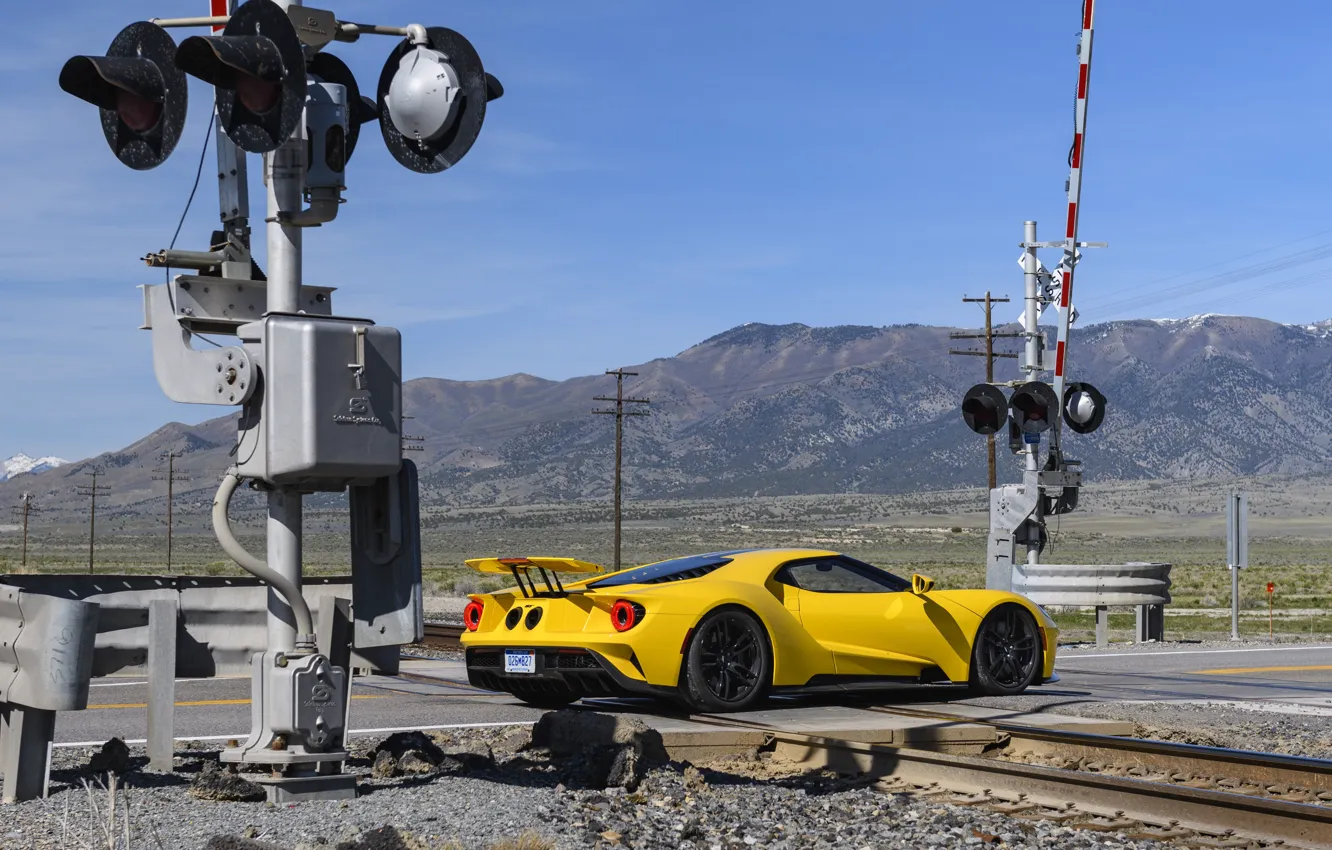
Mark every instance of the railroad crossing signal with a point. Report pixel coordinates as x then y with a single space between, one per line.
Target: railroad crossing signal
329 416
138 88
1032 410
1034 407
433 89
984 409
258 70
1084 407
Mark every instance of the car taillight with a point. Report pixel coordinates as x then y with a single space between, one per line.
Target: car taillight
472 615
625 615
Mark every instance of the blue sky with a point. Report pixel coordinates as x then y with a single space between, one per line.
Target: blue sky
659 172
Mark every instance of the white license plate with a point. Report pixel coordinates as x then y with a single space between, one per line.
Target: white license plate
519 661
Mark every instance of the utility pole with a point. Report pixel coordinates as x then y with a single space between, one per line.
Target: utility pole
24 509
170 476
989 354
619 413
92 491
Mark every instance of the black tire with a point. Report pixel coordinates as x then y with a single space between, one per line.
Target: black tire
728 665
1006 656
542 699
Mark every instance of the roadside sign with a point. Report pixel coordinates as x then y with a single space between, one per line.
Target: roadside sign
1271 587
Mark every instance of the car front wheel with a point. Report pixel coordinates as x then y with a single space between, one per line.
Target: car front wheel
1006 657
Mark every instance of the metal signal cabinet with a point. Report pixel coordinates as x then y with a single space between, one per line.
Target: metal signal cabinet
328 410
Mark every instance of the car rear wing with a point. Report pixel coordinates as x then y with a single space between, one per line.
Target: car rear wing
549 568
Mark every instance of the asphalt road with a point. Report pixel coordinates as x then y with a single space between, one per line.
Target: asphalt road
1293 679
1299 676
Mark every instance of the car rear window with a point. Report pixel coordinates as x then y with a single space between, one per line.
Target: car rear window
676 569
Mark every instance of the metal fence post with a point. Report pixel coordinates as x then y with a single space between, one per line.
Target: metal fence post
1237 551
25 750
162 625
1102 625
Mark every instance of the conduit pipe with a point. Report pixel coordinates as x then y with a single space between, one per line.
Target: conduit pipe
289 591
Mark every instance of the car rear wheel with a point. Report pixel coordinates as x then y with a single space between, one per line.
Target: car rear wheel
1006 657
728 665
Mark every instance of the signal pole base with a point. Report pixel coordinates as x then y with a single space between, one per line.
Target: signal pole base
299 789
297 713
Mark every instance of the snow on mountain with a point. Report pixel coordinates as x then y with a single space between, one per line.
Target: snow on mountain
20 464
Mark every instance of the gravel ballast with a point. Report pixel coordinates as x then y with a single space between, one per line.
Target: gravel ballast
470 801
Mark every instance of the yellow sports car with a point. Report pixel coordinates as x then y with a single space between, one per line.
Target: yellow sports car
719 632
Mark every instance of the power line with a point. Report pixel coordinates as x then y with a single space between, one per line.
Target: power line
92 491
171 477
619 413
989 354
23 510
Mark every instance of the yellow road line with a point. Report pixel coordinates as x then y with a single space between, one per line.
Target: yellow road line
1225 671
208 702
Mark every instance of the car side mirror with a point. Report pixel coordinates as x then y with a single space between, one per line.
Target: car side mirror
921 585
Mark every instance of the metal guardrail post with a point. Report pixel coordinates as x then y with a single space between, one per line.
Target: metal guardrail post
1102 625
25 751
1150 623
162 627
46 655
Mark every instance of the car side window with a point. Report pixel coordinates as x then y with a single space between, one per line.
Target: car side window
839 575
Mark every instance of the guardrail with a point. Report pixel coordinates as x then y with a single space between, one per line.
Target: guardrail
222 621
46 657
1143 585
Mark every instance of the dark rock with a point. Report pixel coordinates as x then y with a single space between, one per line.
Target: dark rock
400 743
231 842
418 763
626 770
567 732
384 838
474 755
694 780
515 740
114 757
385 766
213 783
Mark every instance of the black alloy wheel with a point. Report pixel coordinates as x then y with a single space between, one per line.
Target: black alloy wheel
1006 657
728 666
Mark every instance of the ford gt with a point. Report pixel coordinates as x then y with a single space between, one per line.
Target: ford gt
721 631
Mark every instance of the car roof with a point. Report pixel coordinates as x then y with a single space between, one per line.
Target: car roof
745 559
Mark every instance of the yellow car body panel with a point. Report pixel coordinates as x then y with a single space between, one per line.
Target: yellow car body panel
891 635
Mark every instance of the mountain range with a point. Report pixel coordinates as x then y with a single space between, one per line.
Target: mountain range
21 464
791 409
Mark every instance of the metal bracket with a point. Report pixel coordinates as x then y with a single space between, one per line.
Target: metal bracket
224 375
1063 243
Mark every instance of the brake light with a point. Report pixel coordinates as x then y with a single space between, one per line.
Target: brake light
625 615
472 615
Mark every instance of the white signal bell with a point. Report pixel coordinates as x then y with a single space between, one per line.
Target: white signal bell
422 100
1081 408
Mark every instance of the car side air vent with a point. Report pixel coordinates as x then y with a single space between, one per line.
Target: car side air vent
696 572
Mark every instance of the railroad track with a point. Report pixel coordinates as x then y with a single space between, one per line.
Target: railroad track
1196 796
442 636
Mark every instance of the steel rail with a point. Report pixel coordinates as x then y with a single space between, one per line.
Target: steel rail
442 636
1222 762
1120 803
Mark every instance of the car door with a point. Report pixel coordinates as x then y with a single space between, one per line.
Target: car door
868 619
